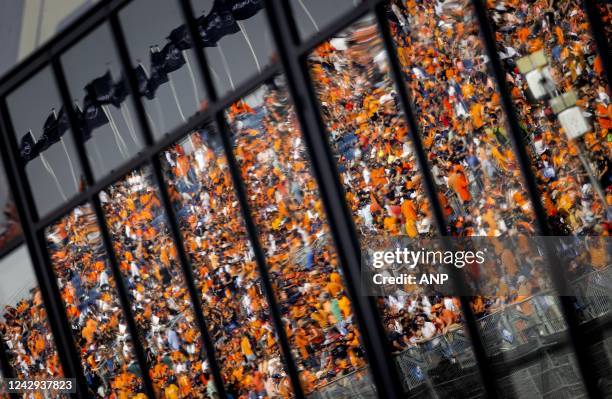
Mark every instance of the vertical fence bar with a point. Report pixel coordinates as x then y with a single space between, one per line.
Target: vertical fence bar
341 225
5 366
262 267
385 375
241 194
577 339
484 363
124 296
56 316
599 35
171 217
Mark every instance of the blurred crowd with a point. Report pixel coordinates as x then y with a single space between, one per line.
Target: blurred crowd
92 306
561 29
160 304
302 264
293 232
478 181
160 301
463 131
27 339
233 303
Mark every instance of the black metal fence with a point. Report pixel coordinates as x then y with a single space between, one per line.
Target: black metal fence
292 53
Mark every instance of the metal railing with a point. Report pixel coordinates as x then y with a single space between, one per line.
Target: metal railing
594 294
527 322
418 361
355 385
550 376
540 315
291 50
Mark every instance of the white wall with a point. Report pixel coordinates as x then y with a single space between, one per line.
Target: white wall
16 277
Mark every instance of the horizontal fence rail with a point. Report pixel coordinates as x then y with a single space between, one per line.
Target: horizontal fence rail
471 349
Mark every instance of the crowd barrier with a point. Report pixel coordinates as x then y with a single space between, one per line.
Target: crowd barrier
550 376
540 315
594 293
355 385
524 323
